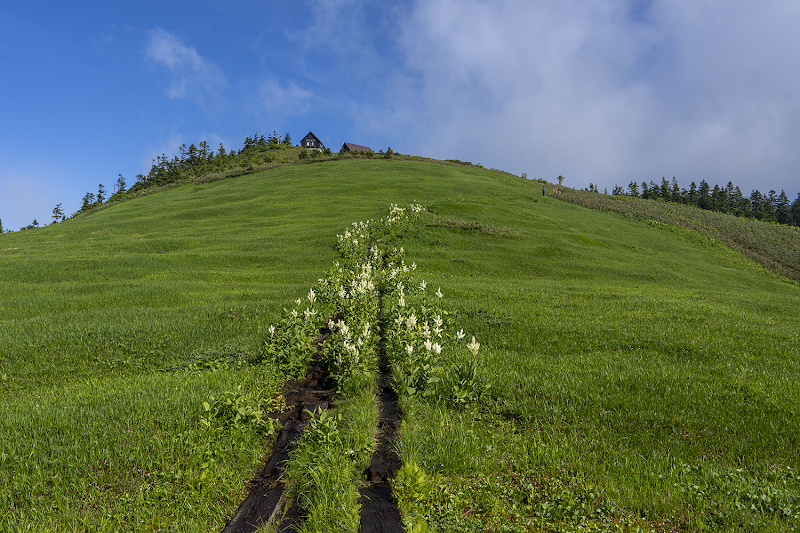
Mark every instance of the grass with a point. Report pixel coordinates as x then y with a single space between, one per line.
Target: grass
774 246
642 375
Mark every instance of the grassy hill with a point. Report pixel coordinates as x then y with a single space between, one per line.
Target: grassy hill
641 375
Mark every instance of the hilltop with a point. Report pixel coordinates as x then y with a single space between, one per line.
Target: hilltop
632 374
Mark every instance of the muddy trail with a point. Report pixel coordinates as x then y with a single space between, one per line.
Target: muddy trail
266 501
379 513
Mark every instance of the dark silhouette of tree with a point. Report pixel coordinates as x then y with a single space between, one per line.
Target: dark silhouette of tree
88 201
703 195
796 211
783 209
664 190
694 195
633 189
120 185
101 191
57 213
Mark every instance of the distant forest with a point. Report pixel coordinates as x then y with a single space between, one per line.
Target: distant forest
770 207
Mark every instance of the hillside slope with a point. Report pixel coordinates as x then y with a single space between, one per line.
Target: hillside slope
627 361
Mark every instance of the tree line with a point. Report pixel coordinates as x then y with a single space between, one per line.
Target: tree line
770 207
195 161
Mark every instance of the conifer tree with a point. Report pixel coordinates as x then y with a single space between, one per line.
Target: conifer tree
703 195
88 200
795 211
57 213
783 210
120 185
101 191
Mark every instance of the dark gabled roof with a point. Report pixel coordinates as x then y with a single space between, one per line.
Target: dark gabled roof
350 147
310 135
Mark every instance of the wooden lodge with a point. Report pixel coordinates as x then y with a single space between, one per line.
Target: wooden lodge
350 147
311 142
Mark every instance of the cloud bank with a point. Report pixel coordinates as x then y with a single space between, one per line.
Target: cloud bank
607 91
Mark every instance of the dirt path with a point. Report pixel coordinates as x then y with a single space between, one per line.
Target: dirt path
379 513
266 498
265 502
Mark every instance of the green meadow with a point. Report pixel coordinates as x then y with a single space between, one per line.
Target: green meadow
640 376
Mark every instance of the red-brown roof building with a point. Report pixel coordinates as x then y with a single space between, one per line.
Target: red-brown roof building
350 147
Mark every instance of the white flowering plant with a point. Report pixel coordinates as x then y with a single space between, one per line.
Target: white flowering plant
429 359
290 343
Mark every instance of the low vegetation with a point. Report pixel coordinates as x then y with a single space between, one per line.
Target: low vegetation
624 374
775 246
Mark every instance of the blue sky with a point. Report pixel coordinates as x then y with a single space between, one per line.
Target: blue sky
601 91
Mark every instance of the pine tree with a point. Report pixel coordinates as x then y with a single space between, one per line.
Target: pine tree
633 189
88 200
759 205
676 191
57 213
704 196
101 191
783 210
120 185
693 194
795 211
664 190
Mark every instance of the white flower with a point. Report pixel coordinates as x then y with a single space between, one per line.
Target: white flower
294 313
271 329
438 332
298 301
437 321
437 348
366 330
342 293
460 334
402 302
428 345
423 285
439 292
426 330
409 349
312 296
473 346
309 313
413 266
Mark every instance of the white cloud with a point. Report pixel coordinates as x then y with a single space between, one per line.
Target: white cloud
282 99
605 91
192 76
